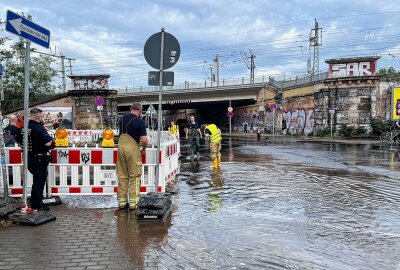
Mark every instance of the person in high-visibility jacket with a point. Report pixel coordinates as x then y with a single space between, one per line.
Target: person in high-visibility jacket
215 138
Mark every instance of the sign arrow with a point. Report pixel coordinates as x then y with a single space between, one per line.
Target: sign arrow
20 26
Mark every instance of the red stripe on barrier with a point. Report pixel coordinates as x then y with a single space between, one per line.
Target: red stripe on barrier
54 156
15 156
74 190
54 190
97 157
143 189
115 189
144 157
97 190
74 157
17 191
115 156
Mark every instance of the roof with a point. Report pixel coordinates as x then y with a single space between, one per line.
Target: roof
352 59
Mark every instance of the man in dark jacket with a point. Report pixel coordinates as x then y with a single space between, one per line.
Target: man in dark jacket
39 144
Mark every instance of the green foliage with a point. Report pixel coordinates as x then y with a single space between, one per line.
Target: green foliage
349 131
387 71
41 74
380 125
324 132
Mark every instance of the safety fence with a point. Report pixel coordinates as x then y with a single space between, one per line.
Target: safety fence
92 171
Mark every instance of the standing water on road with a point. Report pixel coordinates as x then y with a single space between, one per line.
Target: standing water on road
288 205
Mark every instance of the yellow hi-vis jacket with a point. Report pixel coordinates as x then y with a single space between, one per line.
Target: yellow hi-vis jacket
215 134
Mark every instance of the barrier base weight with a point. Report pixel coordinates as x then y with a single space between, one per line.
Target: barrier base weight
53 200
9 207
154 207
35 219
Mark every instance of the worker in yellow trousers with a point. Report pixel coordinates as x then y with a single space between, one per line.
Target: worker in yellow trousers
214 134
129 163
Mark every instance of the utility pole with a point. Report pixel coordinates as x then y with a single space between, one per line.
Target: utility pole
216 61
64 83
250 64
70 66
315 42
211 77
62 57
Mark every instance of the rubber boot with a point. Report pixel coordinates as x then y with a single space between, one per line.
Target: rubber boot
215 163
219 161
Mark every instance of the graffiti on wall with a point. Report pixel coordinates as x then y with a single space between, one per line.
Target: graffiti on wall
88 83
299 114
251 115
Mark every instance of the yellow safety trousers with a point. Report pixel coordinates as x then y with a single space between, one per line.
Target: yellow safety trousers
129 171
215 151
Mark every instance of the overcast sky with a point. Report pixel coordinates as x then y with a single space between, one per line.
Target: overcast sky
108 36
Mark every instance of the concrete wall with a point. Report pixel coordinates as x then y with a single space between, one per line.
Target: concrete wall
357 100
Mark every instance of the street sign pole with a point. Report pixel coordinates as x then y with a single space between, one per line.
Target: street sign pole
2 152
160 123
156 206
273 124
230 119
8 205
101 120
26 107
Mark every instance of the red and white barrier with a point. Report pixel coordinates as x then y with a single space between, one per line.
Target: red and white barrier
91 171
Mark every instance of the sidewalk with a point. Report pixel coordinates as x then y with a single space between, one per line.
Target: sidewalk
293 138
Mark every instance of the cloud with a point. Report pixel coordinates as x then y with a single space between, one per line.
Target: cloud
108 36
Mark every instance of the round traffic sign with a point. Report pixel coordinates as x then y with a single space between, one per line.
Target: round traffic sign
229 114
273 106
99 101
152 50
230 109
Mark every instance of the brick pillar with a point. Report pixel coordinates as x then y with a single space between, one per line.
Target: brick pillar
86 115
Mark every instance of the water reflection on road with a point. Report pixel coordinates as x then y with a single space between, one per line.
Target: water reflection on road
287 206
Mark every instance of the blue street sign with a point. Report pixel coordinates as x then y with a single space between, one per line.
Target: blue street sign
22 27
1 69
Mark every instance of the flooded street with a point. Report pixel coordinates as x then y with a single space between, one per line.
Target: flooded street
282 205
297 205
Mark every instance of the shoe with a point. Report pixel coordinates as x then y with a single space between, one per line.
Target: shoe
124 207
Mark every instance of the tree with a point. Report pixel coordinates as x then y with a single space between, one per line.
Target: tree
389 74
41 75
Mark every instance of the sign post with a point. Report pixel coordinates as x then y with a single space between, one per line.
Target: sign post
332 112
30 31
99 101
273 108
230 114
161 51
